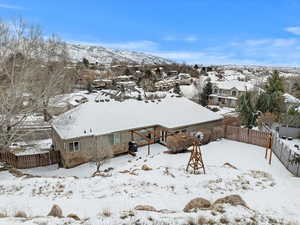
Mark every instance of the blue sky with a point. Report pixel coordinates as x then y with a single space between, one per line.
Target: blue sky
263 32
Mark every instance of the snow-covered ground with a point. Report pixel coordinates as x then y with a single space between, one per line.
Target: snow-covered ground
225 111
96 53
32 147
291 144
270 191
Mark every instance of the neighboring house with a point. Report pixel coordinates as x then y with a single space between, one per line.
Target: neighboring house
226 93
63 103
291 100
97 126
102 83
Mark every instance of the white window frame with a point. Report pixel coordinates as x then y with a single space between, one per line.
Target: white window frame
74 149
116 138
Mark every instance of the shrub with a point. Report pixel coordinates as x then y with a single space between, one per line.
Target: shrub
106 213
201 220
215 109
21 214
73 216
3 214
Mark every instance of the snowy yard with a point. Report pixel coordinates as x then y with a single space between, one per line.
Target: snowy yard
31 147
270 191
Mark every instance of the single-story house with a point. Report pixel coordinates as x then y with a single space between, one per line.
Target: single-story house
98 126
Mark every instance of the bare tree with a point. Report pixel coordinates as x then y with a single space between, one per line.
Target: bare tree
100 157
52 78
31 71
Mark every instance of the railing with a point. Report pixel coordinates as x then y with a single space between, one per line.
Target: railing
285 154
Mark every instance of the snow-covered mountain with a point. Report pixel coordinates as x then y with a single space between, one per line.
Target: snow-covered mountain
102 55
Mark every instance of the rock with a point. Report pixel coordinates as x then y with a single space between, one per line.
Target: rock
73 216
197 203
16 172
232 200
56 211
21 214
102 174
166 211
146 167
145 208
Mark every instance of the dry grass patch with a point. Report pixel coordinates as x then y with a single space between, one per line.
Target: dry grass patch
3 214
21 214
106 213
73 216
201 220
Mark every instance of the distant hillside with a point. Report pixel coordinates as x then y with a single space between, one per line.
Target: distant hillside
102 55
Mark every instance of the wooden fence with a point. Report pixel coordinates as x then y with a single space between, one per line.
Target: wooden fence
30 161
247 136
283 152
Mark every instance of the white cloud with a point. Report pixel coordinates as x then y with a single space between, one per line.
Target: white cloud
275 42
191 38
169 38
293 30
133 45
267 51
193 57
282 42
6 6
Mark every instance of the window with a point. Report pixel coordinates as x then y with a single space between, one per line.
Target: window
234 93
74 146
115 139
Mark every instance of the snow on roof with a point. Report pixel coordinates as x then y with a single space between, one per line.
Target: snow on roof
100 118
290 98
221 96
239 85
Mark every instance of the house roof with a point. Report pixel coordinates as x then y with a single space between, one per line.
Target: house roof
239 85
100 118
290 99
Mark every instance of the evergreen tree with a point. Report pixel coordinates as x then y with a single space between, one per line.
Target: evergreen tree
296 90
275 83
127 72
85 62
89 87
176 89
204 96
247 110
148 73
157 71
196 67
272 100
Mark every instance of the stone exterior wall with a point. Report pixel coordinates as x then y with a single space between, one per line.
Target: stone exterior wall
89 145
196 127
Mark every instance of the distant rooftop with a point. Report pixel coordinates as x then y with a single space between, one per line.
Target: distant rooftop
239 85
